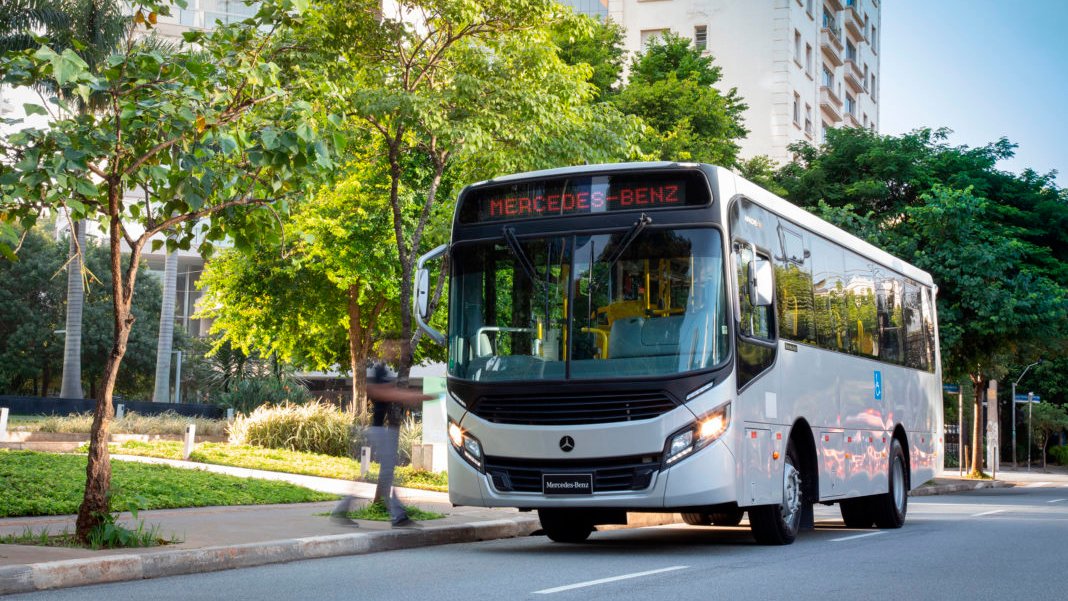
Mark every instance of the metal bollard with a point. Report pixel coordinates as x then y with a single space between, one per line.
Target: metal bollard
229 414
3 424
120 410
365 461
190 437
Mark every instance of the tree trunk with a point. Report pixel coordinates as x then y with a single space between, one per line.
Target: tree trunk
72 343
357 355
165 343
98 470
979 383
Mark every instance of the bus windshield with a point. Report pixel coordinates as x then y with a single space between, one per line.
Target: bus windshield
643 302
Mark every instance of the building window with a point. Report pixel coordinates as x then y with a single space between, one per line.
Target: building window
828 78
797 109
808 119
851 105
808 7
797 46
873 95
808 59
700 37
648 35
823 131
874 40
865 120
851 52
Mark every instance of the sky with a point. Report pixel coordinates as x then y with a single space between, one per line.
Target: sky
985 69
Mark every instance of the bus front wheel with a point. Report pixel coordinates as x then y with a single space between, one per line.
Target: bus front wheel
778 524
562 526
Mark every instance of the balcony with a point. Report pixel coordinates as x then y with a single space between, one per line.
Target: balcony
835 5
830 104
831 45
850 120
854 77
853 23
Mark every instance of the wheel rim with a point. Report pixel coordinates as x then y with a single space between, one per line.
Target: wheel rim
897 484
791 496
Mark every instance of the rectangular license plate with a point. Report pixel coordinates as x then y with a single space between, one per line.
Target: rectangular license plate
567 484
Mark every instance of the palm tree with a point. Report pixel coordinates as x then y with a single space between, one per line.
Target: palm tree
92 28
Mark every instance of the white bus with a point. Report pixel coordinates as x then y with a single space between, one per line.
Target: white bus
669 337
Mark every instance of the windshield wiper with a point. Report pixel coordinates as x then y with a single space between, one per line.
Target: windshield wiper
631 235
517 252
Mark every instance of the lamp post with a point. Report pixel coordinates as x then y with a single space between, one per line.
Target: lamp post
1014 415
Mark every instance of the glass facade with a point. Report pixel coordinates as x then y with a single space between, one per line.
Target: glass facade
593 8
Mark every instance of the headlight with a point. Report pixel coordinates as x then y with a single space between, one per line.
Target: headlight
466 445
697 435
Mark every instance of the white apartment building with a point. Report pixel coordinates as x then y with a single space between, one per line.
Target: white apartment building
802 66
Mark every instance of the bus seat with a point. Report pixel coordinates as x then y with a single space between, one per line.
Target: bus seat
484 347
640 337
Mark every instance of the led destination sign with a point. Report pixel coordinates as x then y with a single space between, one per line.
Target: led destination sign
582 196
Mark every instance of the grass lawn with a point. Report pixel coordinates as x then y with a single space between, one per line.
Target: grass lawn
279 460
378 512
50 484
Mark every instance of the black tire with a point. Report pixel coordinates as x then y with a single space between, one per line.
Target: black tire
857 513
727 518
697 519
562 526
889 509
778 524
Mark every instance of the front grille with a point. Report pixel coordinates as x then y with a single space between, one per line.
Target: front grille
609 475
571 409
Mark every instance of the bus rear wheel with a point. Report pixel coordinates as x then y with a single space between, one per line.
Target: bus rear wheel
889 509
562 526
778 524
857 513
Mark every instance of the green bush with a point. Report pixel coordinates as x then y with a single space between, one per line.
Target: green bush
248 394
313 427
166 423
1059 454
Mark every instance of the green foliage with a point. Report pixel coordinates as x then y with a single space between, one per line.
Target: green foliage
1060 455
108 533
313 427
672 89
1047 420
281 460
49 484
166 423
594 42
249 394
378 512
32 309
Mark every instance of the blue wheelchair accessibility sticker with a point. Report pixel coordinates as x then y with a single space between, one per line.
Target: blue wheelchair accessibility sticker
878 385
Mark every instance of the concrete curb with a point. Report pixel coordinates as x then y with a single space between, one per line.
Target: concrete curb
116 568
945 489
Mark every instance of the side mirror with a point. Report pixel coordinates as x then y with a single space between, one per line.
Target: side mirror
761 286
421 294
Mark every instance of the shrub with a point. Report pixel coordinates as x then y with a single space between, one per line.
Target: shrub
313 427
411 433
1060 455
167 422
248 394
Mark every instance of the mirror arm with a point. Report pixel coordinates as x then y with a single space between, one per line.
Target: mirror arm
422 290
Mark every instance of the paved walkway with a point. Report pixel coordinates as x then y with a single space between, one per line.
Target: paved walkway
219 538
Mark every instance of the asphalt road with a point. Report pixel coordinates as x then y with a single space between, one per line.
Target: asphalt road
991 544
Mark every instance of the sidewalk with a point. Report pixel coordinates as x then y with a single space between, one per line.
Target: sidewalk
221 538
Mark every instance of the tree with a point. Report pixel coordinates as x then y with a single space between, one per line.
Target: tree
991 240
1046 420
454 91
211 130
671 88
320 301
597 43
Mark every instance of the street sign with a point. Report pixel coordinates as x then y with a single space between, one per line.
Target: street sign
1022 398
951 388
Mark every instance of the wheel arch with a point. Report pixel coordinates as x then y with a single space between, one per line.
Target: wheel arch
902 437
805 444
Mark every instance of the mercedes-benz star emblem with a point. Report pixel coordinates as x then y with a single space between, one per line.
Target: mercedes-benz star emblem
566 444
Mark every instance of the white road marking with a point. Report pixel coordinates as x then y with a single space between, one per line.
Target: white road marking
1036 484
979 515
569 587
856 536
1057 500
